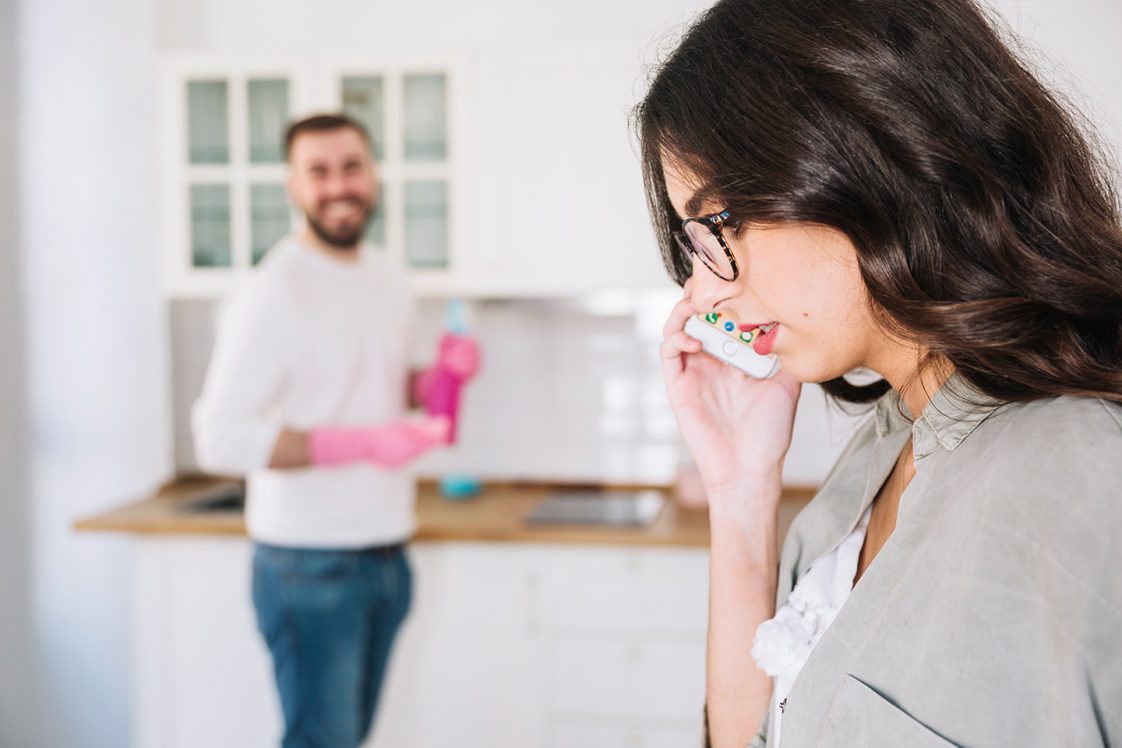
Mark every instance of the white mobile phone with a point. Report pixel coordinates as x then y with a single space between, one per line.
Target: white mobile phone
722 339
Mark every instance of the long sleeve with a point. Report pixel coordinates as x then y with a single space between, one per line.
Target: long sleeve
235 421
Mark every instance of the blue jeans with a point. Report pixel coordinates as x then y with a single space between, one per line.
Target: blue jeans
329 618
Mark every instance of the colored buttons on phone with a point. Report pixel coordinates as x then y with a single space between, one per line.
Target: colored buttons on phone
730 327
747 336
712 318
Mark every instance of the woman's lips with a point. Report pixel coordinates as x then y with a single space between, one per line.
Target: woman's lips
765 340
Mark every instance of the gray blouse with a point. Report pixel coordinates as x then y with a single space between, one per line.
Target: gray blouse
993 614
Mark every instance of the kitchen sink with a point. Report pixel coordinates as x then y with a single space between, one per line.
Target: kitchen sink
229 498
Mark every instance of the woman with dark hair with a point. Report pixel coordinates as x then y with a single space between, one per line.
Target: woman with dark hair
881 186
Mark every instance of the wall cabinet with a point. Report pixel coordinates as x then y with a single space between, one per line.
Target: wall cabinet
223 121
566 210
507 646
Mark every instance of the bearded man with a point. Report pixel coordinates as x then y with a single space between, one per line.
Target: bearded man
307 396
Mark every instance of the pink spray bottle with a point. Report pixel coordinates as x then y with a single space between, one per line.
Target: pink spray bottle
444 397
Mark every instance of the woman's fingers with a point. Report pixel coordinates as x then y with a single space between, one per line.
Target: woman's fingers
672 352
680 343
681 312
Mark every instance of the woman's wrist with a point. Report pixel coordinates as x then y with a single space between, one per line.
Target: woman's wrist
751 501
760 487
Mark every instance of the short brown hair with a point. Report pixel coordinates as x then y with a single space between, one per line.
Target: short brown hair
322 123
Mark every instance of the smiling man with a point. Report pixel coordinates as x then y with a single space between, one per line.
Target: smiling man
331 179
307 396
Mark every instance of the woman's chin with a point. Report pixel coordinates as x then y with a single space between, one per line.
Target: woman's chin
807 372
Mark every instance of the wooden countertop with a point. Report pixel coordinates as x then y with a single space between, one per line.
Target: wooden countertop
497 514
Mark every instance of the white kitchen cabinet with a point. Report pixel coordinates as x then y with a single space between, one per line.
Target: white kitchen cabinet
507 645
222 124
201 675
625 678
565 211
624 629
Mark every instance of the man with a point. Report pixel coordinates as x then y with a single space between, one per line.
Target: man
306 395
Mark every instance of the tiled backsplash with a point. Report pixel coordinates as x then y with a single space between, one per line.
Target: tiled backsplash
569 390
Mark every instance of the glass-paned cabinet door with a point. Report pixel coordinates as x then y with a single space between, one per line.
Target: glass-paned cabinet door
225 165
211 246
269 217
425 115
268 112
426 223
363 98
208 122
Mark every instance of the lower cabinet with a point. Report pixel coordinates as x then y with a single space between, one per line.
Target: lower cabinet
507 644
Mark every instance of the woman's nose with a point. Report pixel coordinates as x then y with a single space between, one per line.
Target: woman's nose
706 289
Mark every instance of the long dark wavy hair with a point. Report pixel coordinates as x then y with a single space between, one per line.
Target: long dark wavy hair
985 223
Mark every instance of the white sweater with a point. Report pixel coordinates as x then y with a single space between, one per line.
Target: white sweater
311 341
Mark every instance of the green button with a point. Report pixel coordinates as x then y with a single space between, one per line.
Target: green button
747 336
711 318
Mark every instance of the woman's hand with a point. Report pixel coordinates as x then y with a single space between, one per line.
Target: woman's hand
737 428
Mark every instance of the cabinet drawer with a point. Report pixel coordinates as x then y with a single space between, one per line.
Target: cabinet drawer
661 680
626 589
630 736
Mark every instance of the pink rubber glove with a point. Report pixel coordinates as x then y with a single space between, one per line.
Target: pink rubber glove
391 445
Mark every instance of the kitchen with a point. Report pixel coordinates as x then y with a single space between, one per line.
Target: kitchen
548 241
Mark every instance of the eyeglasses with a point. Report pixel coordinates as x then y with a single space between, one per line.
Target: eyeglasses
702 237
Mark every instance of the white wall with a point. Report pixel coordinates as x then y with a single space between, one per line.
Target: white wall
18 727
95 342
1076 45
352 27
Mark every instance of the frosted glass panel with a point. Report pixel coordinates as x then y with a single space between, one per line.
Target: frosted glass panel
362 99
426 117
376 229
208 134
210 225
426 223
268 117
268 207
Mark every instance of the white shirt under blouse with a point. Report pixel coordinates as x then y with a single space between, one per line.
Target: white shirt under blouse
310 341
783 643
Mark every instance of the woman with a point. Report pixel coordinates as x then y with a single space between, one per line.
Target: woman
881 185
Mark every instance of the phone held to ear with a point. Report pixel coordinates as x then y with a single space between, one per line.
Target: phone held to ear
722 338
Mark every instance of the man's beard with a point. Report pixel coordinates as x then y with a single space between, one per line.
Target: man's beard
344 237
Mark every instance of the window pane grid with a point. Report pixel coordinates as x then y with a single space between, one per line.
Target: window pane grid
210 225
